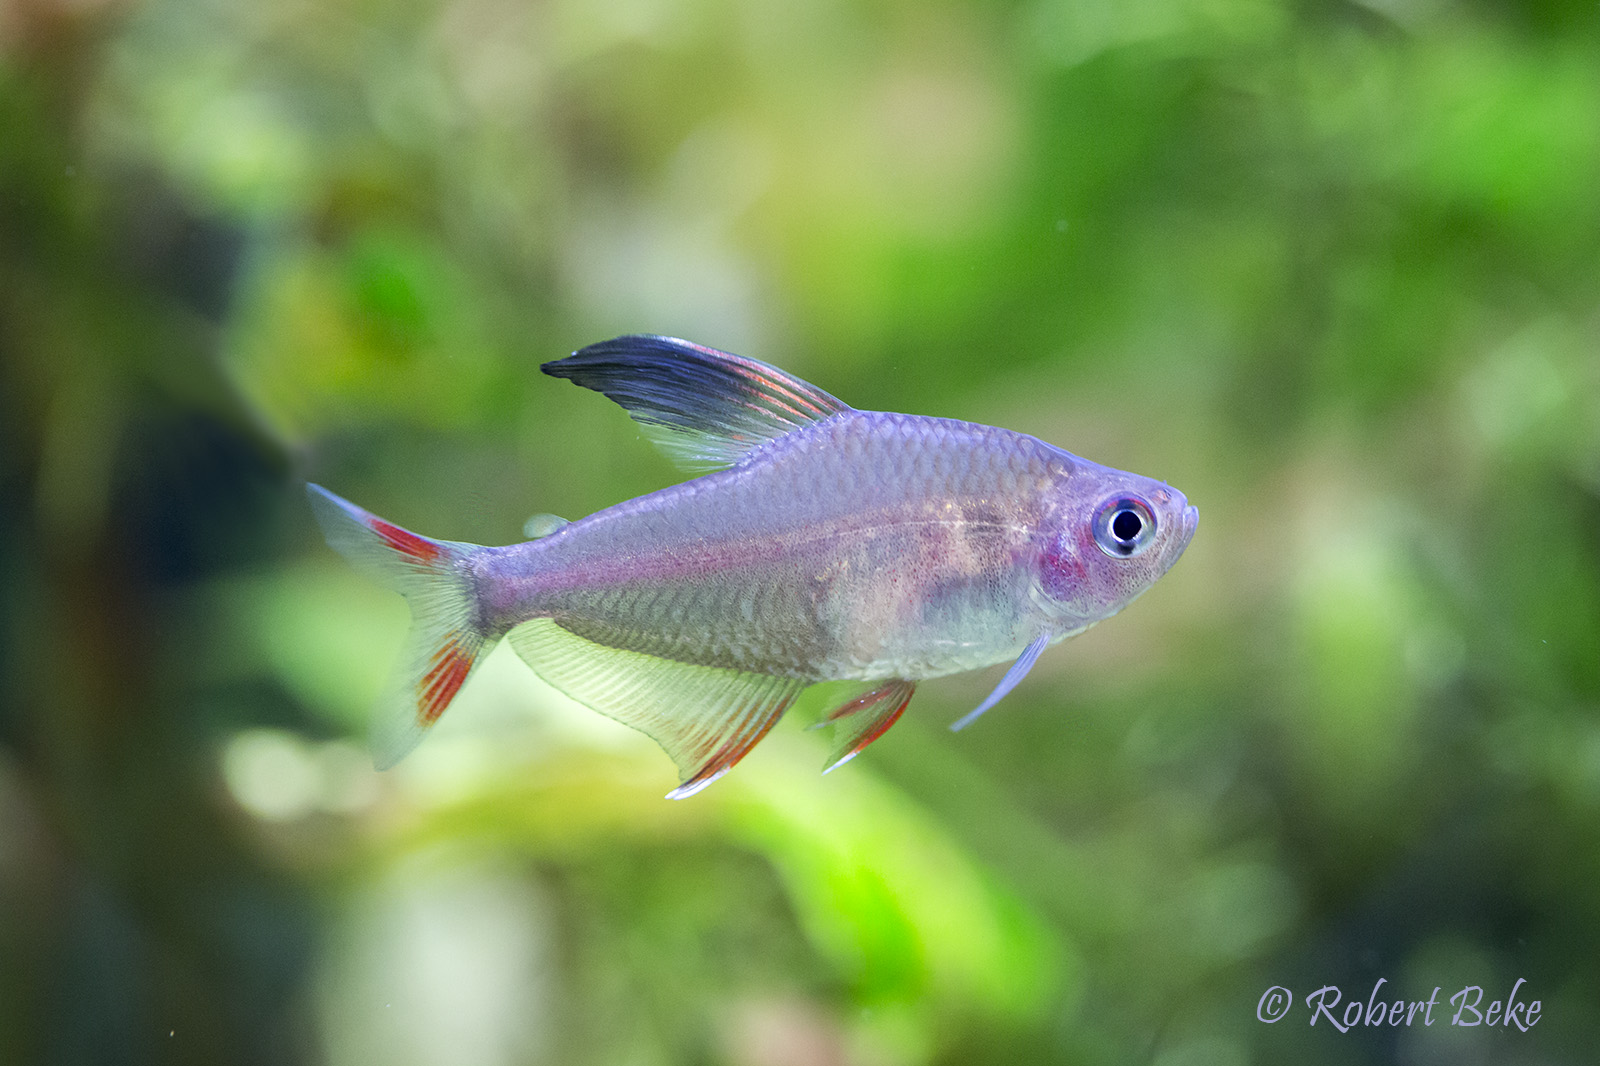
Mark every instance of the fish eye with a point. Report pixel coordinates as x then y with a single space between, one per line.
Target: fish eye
1124 526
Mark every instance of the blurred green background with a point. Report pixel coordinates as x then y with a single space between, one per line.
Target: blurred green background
1332 269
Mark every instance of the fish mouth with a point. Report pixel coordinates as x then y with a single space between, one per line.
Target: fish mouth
1191 521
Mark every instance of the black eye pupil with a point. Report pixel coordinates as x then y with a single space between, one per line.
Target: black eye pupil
1125 526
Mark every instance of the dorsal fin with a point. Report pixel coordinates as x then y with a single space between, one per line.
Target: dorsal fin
704 408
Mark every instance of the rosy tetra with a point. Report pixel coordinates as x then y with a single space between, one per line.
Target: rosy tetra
825 544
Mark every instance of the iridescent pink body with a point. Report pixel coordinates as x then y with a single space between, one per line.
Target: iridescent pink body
867 546
836 545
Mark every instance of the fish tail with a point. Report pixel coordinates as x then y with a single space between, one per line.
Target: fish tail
447 639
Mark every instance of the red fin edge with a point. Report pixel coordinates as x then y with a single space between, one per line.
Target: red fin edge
736 747
881 726
406 542
882 708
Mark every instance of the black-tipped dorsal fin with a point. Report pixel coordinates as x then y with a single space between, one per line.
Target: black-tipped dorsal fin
704 408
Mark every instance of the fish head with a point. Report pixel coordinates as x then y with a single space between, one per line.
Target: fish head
1107 536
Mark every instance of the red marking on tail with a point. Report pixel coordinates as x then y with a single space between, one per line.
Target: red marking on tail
406 542
440 684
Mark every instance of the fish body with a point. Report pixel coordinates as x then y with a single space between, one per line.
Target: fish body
836 545
868 546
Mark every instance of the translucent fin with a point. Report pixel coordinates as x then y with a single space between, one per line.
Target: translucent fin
445 644
859 721
1018 671
705 718
704 408
543 525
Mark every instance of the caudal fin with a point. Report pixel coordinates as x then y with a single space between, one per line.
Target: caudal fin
445 643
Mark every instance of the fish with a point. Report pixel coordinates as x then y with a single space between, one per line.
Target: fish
818 543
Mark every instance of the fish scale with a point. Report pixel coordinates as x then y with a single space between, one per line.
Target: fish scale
902 483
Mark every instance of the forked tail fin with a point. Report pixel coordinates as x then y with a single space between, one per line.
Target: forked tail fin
446 641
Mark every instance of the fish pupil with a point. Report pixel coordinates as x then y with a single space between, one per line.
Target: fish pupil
1126 526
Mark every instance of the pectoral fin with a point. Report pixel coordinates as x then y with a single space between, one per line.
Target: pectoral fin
1018 671
862 719
705 718
704 408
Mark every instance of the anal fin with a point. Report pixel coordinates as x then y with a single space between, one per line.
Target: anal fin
704 717
864 718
